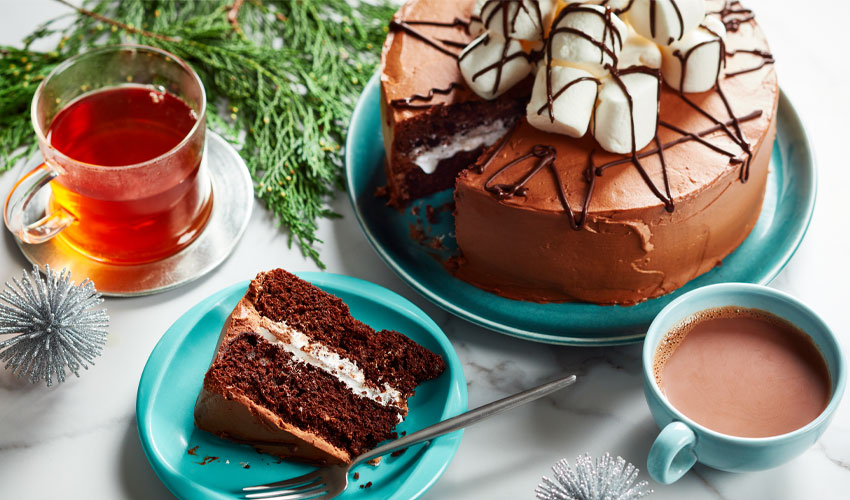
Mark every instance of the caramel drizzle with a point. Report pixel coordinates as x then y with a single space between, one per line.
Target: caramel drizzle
407 102
603 47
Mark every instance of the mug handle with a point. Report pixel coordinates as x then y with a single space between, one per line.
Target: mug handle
18 208
672 453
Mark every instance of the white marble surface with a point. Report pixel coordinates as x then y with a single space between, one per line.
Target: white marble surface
79 440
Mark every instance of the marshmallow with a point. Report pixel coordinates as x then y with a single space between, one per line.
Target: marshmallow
702 52
481 60
673 18
591 21
612 123
571 109
615 5
638 51
525 18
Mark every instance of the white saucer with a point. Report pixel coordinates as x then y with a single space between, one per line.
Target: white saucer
233 199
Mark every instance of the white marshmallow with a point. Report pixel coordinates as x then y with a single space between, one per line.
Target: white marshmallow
668 28
616 5
571 110
702 49
612 123
481 60
590 20
638 51
525 18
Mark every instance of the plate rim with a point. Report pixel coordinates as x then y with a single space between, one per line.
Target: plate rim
784 107
152 375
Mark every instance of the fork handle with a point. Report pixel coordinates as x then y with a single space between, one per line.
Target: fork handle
468 418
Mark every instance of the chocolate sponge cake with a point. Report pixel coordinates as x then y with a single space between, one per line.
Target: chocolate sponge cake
297 376
640 161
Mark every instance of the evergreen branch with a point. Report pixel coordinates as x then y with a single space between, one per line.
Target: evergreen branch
286 108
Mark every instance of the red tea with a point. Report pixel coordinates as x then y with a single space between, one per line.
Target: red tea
134 214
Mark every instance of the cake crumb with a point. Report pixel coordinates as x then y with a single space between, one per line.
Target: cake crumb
368 485
192 451
208 460
245 465
356 476
398 453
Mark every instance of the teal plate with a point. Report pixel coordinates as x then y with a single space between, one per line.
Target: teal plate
174 373
786 212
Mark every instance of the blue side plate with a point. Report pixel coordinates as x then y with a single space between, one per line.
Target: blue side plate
788 206
174 373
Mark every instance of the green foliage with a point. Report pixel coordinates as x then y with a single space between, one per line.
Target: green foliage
286 105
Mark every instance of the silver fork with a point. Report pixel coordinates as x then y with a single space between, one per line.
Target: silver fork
329 481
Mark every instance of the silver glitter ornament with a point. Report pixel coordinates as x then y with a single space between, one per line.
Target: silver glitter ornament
54 323
604 479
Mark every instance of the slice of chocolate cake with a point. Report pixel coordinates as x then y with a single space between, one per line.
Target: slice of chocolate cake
296 376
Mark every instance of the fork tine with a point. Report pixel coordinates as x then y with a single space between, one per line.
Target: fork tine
312 485
312 495
309 477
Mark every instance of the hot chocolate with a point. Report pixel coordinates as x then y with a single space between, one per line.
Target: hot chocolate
742 372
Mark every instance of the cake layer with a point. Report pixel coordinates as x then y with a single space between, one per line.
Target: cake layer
433 125
303 396
296 376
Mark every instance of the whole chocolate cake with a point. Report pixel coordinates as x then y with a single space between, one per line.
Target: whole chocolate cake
637 162
296 376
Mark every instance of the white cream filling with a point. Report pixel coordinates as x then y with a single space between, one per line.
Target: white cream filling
319 356
427 157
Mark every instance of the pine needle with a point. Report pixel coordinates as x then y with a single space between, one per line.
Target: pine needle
282 77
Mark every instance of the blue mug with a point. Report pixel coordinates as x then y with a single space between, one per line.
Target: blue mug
683 442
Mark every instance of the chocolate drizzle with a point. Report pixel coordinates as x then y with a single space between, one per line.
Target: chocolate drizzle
734 15
499 65
509 21
766 58
438 44
505 6
546 155
652 6
407 102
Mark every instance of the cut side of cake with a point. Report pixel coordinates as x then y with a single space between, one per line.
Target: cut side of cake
433 125
295 375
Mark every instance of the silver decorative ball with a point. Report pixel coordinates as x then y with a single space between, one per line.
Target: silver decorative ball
53 323
603 479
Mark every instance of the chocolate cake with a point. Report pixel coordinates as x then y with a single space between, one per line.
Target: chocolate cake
640 160
433 131
295 375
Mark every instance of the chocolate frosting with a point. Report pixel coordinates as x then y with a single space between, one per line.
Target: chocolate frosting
514 215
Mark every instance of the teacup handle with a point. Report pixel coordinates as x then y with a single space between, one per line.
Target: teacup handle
672 453
17 214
